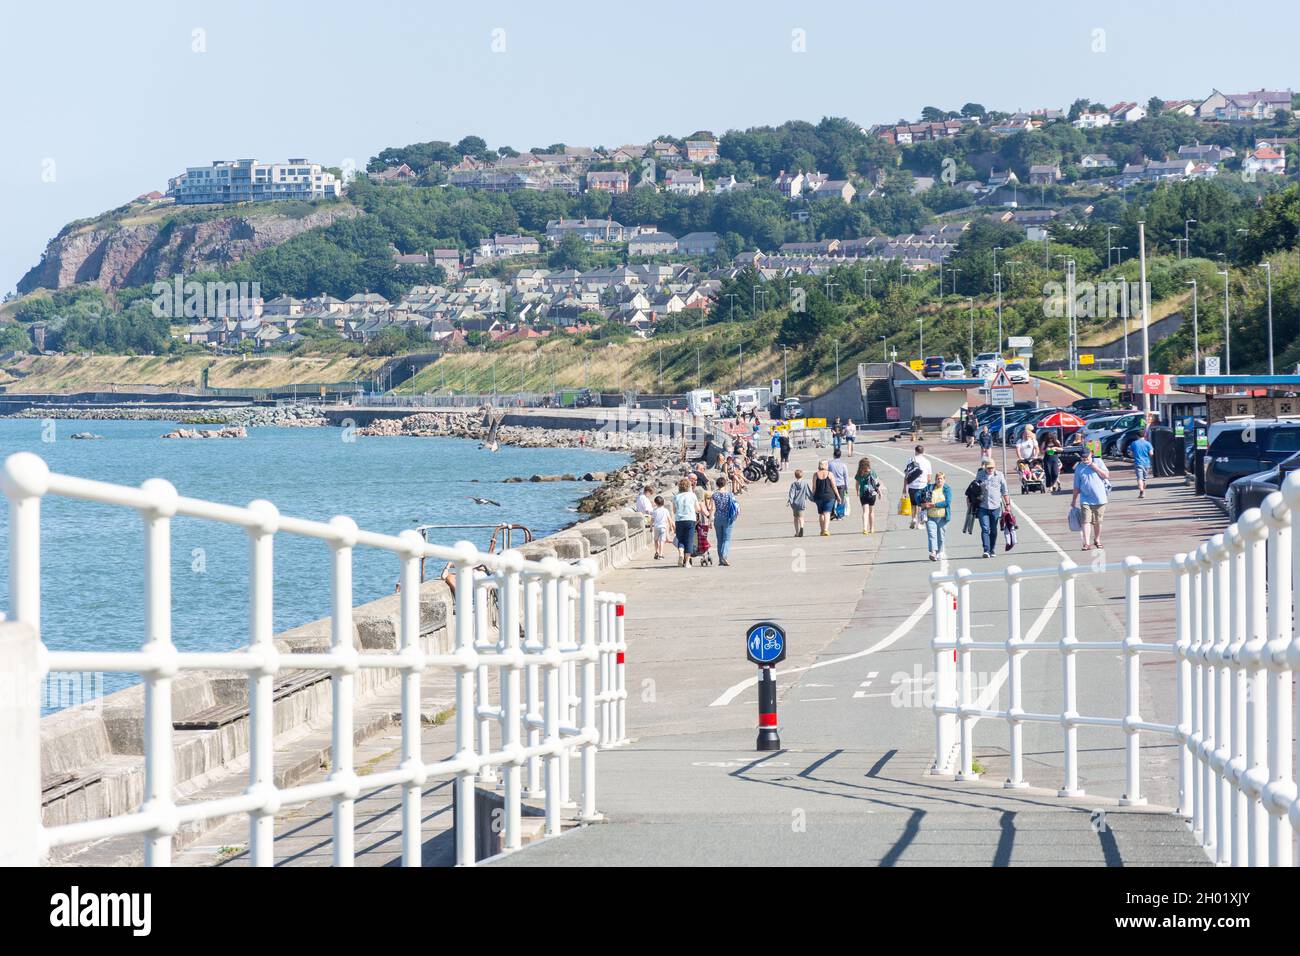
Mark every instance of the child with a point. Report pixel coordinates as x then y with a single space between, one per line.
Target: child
797 498
662 518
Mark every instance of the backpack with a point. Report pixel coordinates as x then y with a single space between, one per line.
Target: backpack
871 490
733 509
974 493
912 472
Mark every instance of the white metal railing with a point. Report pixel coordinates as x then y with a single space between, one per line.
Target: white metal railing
1237 653
554 635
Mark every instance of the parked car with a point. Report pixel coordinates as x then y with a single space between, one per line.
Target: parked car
1250 491
933 367
985 364
1246 448
954 370
1104 427
1018 373
785 409
1099 403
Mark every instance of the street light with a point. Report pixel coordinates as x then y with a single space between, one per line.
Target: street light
1109 247
921 347
1119 255
884 348
1269 267
971 346
1146 314
997 279
1187 237
1196 332
1227 327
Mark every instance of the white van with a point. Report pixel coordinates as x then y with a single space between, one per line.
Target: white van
744 400
701 402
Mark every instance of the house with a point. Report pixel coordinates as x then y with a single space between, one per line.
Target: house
612 181
698 244
1168 169
790 186
666 153
589 230
1127 113
1240 107
1180 107
503 247
1131 173
684 182
1044 175
1266 159
395 174
701 151
449 259
841 188
627 154
730 185
652 244
1203 171
410 259
1206 153
1092 120
1000 179
1096 161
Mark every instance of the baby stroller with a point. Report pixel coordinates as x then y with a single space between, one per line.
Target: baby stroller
702 545
1032 477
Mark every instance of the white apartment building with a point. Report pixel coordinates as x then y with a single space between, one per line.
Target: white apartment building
247 180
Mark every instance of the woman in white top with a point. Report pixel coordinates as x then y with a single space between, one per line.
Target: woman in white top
1027 447
685 510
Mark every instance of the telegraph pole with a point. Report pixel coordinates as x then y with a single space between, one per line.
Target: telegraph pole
1196 332
1269 266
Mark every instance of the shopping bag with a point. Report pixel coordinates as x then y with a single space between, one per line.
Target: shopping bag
1075 519
905 506
839 509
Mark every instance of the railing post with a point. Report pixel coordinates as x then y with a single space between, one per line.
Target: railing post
409 647
1132 687
1196 736
620 668
587 618
1218 702
1069 684
158 680
342 646
261 716
1280 790
1015 708
1182 679
552 667
482 681
1255 775
20 742
565 624
532 682
965 721
1240 689
508 598
463 787
944 644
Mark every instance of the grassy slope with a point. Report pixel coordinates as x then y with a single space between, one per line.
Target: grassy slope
71 373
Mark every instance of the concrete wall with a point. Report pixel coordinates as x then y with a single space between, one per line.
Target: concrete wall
843 401
100 743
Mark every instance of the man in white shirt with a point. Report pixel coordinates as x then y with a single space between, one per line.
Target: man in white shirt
645 503
916 487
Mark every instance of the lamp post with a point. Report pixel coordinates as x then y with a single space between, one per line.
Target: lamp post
1109 247
732 297
1146 314
954 272
971 345
997 279
1196 332
1269 267
884 349
921 347
1227 326
837 361
1187 237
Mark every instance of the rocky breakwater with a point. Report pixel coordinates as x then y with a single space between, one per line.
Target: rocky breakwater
298 415
659 466
234 432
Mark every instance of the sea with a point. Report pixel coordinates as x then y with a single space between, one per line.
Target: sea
92 555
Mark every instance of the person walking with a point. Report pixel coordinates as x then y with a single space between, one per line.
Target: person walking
785 448
1142 449
725 513
837 436
870 491
661 518
850 435
645 503
1027 447
985 440
797 498
1051 449
1091 492
917 474
937 513
972 428
685 511
993 501
826 495
840 472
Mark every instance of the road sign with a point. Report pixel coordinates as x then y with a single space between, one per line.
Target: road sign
1211 365
765 643
1000 389
1086 358
776 388
814 423
916 365
1020 342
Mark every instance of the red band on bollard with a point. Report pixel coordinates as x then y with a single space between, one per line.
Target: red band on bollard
618 610
620 657
767 720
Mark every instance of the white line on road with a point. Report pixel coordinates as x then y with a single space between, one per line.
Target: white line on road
813 700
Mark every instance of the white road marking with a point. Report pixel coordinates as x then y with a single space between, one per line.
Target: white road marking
813 700
892 637
871 674
862 694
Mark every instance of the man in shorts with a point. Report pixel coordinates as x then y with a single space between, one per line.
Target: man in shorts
1141 450
1091 492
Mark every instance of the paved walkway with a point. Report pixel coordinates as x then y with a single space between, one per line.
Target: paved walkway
849 787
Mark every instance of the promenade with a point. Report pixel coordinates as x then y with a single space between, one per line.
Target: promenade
849 787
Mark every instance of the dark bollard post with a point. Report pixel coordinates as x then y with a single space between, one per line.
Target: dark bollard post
769 736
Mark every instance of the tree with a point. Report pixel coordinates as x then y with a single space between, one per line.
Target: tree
571 253
973 111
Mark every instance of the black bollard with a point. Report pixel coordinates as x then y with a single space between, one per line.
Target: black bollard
769 737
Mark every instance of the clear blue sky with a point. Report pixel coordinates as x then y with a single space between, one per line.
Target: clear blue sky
114 95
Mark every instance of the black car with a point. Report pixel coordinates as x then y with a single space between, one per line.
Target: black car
933 367
1093 404
1247 448
1250 491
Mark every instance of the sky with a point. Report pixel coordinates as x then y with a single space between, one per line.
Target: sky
101 102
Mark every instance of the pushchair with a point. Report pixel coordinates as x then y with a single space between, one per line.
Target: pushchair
702 545
1032 477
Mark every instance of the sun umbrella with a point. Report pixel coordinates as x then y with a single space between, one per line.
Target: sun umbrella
1062 420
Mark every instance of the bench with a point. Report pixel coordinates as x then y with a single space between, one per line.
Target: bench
59 785
219 715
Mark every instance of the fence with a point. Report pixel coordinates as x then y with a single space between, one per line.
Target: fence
541 624
1236 655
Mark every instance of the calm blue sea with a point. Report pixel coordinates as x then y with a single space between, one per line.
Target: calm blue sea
92 555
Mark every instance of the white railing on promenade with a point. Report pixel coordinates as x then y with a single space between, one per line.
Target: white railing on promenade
556 643
1237 654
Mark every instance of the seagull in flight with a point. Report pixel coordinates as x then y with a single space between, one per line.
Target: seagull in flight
484 501
491 421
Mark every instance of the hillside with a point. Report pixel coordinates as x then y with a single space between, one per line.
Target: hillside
68 373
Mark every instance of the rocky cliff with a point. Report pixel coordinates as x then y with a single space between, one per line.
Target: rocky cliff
126 255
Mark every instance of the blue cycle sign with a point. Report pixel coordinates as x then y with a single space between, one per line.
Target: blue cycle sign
765 643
